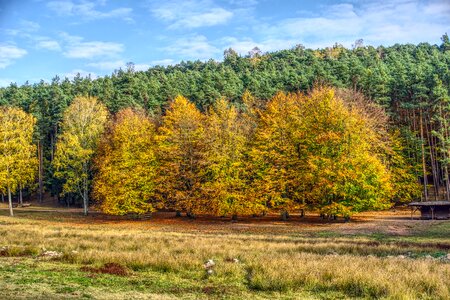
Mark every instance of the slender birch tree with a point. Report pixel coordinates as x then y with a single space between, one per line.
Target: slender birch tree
83 124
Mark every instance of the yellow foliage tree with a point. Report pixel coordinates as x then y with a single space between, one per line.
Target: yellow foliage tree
225 174
18 161
279 170
126 165
345 172
313 149
181 148
83 124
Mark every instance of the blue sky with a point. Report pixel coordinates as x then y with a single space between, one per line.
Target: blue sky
40 39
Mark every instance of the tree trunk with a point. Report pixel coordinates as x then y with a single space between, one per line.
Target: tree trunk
177 213
234 217
434 169
11 213
85 198
41 172
444 154
20 196
424 168
3 198
284 215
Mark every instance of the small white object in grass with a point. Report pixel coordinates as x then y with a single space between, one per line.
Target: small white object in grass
235 260
429 257
51 254
209 264
448 256
401 256
209 272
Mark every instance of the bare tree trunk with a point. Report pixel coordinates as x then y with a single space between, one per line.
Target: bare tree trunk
41 172
447 187
20 196
284 215
424 168
85 197
11 213
432 159
3 198
444 154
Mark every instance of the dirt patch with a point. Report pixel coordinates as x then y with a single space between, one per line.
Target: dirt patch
109 268
217 290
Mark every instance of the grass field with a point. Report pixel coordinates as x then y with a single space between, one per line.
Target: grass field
382 255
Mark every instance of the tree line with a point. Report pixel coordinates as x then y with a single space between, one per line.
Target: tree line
411 82
328 150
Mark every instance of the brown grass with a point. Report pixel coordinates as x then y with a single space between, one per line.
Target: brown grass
108 268
357 259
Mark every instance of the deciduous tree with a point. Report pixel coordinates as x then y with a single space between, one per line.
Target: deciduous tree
18 161
225 175
126 165
181 150
83 124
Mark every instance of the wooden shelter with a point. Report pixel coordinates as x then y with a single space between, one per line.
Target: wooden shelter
433 210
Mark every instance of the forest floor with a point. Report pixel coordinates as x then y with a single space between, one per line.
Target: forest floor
55 253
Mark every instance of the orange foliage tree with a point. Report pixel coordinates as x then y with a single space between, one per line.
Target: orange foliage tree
126 165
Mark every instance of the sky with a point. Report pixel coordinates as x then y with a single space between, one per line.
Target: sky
40 39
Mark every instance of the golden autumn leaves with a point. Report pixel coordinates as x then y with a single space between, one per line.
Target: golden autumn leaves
294 152
18 161
127 165
83 125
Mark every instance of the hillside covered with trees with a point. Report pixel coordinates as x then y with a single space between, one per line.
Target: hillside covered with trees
339 130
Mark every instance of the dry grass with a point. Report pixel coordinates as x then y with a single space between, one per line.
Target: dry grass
325 260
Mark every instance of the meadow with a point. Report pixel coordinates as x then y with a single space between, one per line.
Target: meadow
54 254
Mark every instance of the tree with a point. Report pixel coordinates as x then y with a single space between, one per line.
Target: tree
181 148
279 170
126 165
314 150
18 162
346 174
82 126
225 174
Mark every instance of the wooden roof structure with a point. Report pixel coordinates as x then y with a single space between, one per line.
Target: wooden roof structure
431 209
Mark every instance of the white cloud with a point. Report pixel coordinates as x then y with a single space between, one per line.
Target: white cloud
29 26
47 44
88 10
24 29
9 53
193 47
107 65
163 62
191 14
90 50
377 22
141 67
115 65
243 46
72 74
4 82
76 47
